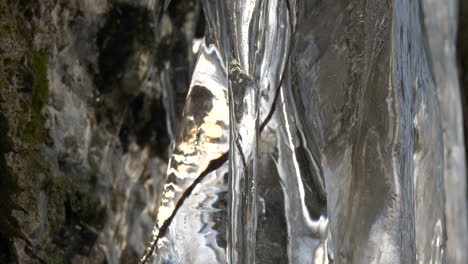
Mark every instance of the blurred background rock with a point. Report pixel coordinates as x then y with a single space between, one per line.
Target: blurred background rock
88 108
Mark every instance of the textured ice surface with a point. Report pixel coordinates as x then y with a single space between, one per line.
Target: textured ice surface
440 19
343 124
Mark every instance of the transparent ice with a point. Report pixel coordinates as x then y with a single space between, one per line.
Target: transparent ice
343 124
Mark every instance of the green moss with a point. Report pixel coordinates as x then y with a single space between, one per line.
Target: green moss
31 123
23 94
40 92
9 226
2 75
73 212
55 255
6 28
30 129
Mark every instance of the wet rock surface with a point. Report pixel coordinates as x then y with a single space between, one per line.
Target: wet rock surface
86 125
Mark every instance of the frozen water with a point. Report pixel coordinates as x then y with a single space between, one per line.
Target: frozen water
343 125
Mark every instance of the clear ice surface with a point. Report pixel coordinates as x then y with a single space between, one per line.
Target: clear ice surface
343 124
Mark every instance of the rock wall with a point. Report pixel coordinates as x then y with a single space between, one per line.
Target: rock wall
87 113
